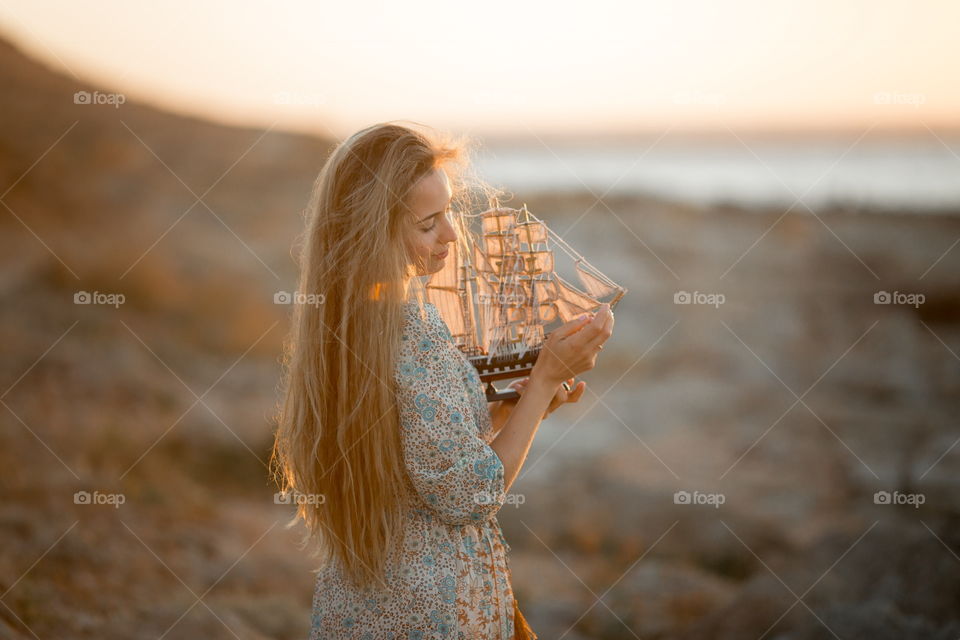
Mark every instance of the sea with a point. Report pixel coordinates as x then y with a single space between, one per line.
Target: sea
919 172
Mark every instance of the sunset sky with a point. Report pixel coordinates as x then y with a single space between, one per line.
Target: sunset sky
508 67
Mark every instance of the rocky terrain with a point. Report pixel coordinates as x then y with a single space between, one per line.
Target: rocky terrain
780 411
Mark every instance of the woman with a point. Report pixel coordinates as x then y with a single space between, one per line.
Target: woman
397 462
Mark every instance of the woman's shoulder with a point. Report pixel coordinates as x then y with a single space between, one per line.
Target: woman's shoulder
425 342
413 305
418 321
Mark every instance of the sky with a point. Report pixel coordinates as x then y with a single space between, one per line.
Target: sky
502 67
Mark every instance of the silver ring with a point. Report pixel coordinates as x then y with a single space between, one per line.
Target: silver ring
565 386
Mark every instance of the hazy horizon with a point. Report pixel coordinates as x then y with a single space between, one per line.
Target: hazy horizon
615 73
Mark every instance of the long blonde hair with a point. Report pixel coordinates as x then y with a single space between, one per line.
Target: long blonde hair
337 448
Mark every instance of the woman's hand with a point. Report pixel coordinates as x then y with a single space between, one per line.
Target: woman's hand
569 350
572 348
561 397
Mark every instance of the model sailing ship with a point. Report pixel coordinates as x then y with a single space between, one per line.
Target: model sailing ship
499 291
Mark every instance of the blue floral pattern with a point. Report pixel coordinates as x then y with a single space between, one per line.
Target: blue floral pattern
451 577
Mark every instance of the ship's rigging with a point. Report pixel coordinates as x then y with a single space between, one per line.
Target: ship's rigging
499 289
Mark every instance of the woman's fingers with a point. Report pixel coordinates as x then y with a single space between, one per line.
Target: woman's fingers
562 396
522 382
604 327
570 328
592 330
578 392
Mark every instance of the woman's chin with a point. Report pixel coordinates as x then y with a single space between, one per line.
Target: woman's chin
436 264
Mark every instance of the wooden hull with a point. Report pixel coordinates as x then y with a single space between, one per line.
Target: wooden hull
503 368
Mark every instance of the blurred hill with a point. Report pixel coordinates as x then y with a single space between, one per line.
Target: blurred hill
95 174
103 199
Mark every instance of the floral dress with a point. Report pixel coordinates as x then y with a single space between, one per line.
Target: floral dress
451 579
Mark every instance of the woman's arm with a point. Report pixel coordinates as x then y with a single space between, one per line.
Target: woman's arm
569 350
499 412
500 409
453 470
518 430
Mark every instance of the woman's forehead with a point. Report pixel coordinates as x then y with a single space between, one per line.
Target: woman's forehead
431 193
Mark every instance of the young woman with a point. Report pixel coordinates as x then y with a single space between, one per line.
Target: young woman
397 463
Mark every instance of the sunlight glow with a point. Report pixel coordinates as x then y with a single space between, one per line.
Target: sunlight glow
506 66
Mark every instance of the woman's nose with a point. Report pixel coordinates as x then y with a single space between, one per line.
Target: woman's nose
450 234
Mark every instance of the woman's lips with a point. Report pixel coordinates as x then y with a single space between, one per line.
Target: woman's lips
442 255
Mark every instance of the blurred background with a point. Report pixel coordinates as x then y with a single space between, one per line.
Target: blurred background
767 450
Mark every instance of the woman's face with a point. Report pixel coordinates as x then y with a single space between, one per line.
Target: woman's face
432 228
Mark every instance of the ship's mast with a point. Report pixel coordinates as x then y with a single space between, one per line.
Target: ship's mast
512 254
509 287
468 276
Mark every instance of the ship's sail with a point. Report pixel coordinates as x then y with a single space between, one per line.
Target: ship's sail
447 292
595 286
532 232
500 287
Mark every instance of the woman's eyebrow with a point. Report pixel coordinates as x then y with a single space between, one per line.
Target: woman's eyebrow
432 214
428 217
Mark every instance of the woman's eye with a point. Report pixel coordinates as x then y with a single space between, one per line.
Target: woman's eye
448 214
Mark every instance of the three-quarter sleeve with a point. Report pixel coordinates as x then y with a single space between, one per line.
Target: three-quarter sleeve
455 472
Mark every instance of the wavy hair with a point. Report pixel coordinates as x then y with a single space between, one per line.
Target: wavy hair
337 447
